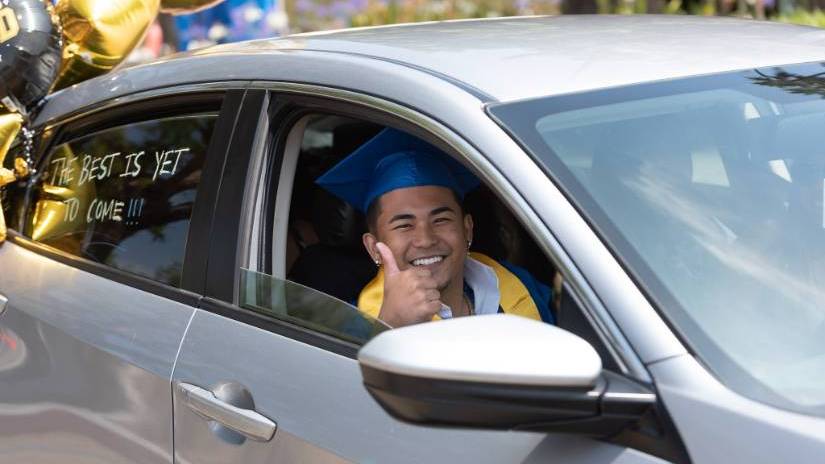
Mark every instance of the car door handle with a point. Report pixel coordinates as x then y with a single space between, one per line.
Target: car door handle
3 302
244 421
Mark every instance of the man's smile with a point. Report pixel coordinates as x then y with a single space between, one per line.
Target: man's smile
426 261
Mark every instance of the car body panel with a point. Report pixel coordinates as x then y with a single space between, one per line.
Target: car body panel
573 53
87 365
324 414
706 413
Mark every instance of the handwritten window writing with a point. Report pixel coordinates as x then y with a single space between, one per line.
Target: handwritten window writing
124 196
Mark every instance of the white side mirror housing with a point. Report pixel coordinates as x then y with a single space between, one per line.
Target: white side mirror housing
500 372
498 349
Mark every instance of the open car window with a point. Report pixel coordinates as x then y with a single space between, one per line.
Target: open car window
311 265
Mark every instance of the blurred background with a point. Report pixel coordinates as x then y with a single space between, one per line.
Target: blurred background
235 20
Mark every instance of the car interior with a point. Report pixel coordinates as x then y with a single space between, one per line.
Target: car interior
324 232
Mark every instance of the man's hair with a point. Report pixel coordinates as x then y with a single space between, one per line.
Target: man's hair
374 210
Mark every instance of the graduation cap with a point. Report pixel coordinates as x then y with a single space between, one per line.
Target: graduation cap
392 160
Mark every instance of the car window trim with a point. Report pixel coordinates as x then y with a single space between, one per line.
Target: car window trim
223 251
138 97
199 235
255 179
142 109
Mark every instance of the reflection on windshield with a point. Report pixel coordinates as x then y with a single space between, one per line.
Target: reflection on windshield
713 189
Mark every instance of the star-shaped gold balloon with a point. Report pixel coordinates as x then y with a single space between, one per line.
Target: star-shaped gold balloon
10 125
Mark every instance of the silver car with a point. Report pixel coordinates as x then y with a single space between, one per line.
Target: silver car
176 288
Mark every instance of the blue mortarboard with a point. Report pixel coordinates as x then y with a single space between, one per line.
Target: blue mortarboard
392 160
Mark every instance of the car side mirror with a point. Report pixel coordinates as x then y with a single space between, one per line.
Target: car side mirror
499 372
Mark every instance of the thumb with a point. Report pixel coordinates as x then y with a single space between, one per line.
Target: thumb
390 266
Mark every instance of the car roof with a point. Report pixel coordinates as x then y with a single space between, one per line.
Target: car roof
524 57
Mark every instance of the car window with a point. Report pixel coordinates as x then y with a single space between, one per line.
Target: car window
123 196
310 262
319 266
711 191
305 306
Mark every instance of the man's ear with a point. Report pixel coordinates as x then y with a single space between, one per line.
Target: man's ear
369 243
468 227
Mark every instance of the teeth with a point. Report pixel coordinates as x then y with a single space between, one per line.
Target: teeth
427 261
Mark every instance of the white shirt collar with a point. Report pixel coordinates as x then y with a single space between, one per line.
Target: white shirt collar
484 282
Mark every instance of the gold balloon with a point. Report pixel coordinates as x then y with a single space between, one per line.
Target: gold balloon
6 177
50 220
178 7
3 232
21 167
99 34
10 125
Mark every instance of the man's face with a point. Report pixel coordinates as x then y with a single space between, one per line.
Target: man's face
424 227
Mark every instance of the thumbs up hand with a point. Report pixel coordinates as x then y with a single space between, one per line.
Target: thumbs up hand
410 296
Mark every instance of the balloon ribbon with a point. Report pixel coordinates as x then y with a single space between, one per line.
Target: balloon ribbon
10 125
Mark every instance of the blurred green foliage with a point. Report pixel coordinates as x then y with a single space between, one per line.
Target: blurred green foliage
804 17
390 12
312 15
307 15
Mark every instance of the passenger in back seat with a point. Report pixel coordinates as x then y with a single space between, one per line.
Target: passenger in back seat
419 237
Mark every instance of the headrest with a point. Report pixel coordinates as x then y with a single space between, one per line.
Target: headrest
336 222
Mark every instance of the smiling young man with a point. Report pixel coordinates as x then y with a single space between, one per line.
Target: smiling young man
419 237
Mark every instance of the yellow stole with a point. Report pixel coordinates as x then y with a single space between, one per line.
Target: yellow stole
514 296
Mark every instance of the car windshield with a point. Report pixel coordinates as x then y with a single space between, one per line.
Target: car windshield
710 190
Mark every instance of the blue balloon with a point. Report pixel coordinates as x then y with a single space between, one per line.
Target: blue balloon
229 21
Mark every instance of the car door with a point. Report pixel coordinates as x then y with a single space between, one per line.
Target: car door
267 369
101 275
